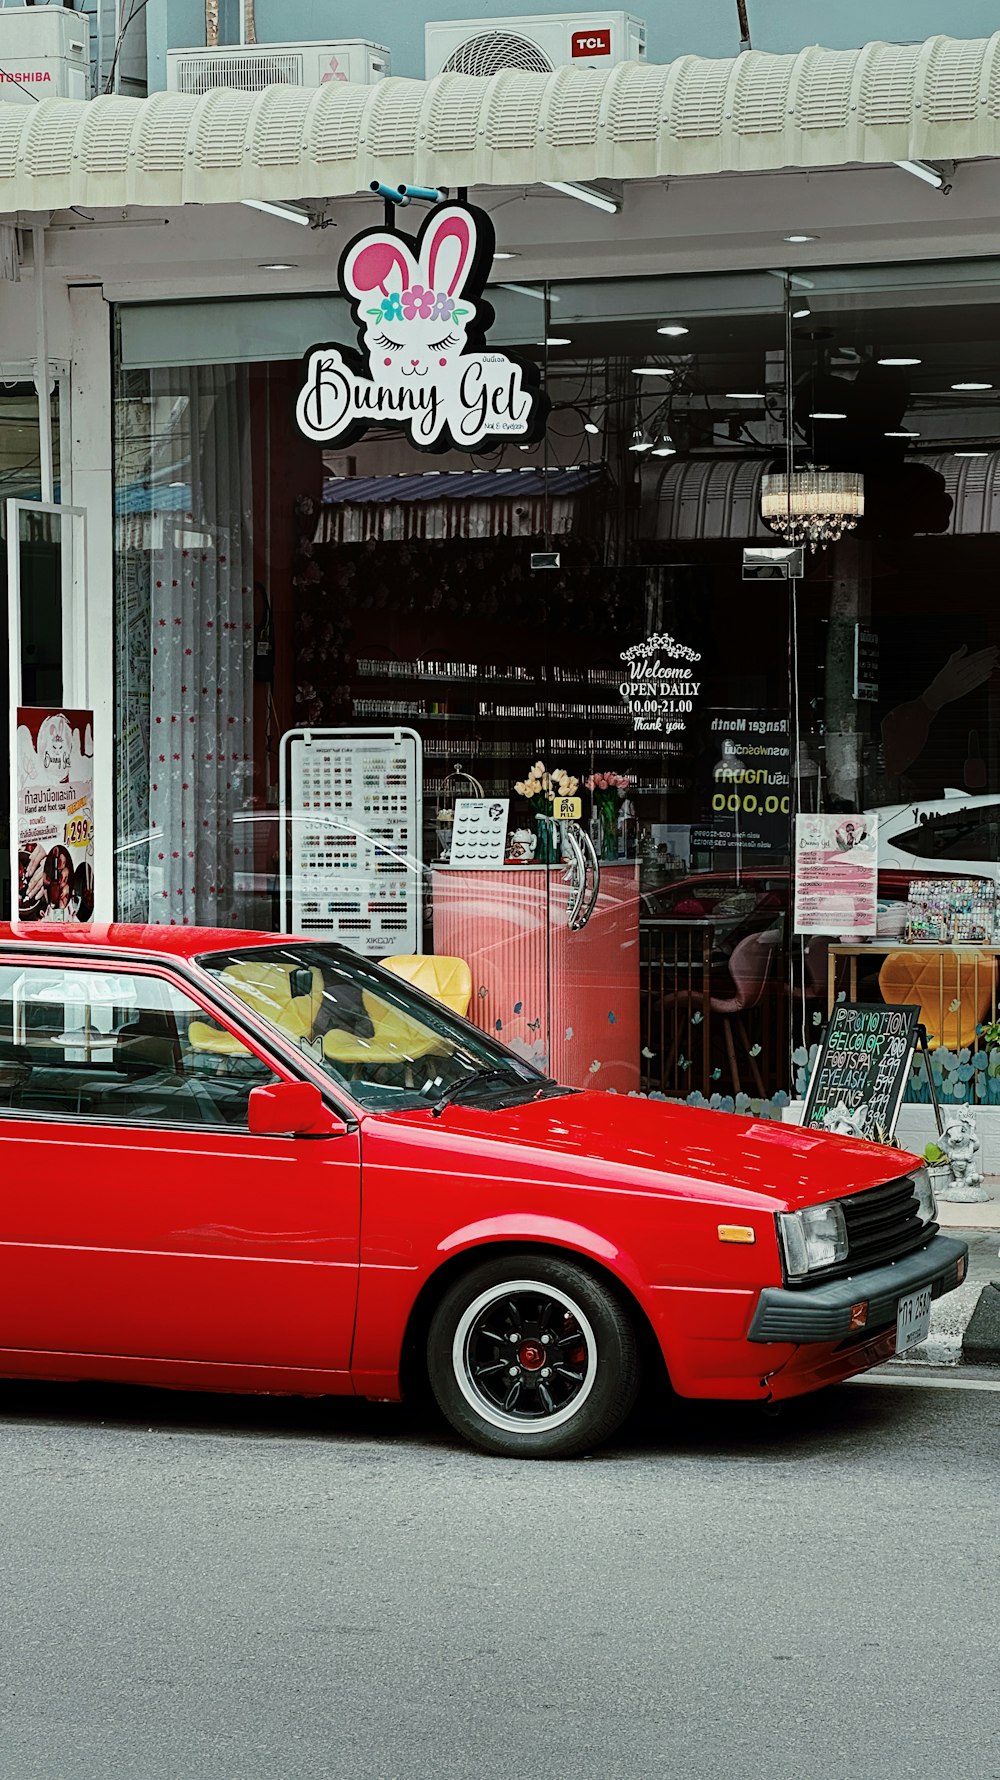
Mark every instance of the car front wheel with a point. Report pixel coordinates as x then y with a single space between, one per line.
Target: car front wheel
531 1357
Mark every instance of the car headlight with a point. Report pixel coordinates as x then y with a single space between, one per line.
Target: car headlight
813 1238
926 1202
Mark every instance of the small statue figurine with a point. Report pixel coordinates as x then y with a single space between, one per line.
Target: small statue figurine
960 1143
843 1122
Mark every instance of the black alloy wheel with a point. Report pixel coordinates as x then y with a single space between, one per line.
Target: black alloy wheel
531 1356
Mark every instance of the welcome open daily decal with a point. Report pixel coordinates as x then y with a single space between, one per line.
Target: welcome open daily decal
422 363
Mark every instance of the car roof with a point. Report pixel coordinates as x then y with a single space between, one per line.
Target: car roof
153 941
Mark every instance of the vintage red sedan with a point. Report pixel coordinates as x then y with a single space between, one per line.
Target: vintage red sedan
239 1162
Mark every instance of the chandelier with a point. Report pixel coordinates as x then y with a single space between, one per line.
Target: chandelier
813 506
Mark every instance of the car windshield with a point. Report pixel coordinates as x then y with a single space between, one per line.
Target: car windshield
387 1044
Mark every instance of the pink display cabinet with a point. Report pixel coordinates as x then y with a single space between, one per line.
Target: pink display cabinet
568 1001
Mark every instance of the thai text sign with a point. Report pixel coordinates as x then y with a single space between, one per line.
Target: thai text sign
421 362
55 815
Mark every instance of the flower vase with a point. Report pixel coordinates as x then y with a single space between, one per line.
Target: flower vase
549 848
607 826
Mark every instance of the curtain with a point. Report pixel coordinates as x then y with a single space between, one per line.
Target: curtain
201 653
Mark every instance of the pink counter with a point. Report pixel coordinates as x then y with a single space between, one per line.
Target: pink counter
570 1001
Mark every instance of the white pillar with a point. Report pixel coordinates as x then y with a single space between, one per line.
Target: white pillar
42 363
93 489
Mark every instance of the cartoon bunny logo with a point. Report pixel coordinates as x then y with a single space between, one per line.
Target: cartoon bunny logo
423 363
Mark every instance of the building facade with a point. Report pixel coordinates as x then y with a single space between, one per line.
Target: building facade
324 673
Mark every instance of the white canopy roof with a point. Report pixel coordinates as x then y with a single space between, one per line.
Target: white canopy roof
938 100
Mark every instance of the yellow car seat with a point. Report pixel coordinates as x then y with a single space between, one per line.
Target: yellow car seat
448 980
266 987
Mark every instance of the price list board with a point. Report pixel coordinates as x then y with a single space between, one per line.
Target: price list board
864 1061
351 809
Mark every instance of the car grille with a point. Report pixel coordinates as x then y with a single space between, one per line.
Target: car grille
883 1223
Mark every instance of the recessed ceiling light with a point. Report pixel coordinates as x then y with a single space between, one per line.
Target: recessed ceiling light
591 426
744 395
797 238
824 414
652 371
674 328
971 454
900 361
902 433
505 256
972 386
555 340
800 314
278 266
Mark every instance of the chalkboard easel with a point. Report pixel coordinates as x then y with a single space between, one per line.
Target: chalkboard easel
863 1062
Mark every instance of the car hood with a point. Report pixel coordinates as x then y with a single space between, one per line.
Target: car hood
618 1141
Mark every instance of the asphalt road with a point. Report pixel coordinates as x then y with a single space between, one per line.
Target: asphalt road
224 1589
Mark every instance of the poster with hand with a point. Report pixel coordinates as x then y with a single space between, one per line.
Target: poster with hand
55 814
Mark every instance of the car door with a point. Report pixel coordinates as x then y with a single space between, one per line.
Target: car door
138 1215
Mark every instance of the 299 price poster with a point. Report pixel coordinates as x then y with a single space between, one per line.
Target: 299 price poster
55 814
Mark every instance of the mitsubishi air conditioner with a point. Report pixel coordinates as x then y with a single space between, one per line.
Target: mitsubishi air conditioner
249 67
44 54
537 44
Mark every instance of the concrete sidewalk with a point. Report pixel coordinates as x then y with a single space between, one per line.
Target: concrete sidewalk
979 1225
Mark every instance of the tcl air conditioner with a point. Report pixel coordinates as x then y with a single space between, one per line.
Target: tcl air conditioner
536 43
44 54
248 67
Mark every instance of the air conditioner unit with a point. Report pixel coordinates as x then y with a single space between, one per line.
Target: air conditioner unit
538 44
247 68
44 54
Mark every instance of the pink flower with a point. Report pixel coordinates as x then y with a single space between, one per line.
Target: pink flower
418 301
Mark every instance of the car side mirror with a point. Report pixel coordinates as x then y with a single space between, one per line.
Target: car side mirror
291 1109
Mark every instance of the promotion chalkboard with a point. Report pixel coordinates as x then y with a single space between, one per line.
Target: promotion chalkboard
864 1061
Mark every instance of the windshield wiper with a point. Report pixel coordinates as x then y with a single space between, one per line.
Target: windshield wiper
481 1077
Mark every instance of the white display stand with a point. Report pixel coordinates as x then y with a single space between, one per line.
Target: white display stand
351 806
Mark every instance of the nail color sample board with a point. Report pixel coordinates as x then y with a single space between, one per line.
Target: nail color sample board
352 802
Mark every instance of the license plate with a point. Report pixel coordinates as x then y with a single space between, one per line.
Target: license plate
913 1319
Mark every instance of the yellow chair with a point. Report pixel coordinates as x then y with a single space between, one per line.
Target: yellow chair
448 980
267 988
954 989
396 1038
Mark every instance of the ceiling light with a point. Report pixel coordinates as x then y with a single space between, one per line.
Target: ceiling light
586 193
797 238
277 266
801 314
921 170
900 361
971 454
812 506
824 414
556 340
902 433
640 440
498 255
972 386
664 446
652 371
675 329
591 426
285 211
745 395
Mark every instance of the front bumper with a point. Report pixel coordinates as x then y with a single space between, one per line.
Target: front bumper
823 1312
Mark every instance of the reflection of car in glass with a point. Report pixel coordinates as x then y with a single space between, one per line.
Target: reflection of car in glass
271 1166
951 836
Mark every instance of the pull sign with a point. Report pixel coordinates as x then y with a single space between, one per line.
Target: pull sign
592 43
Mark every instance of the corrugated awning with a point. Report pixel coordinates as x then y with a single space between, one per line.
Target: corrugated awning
469 504
938 100
715 498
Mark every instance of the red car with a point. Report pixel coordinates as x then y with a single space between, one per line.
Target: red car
237 1162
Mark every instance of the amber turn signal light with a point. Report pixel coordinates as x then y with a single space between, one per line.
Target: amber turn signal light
737 1233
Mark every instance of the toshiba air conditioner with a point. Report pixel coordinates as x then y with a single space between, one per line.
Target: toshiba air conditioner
249 67
537 44
44 54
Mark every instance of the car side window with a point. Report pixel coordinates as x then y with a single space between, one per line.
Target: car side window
119 1047
958 834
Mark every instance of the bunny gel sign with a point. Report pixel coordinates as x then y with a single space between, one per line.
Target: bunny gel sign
423 365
